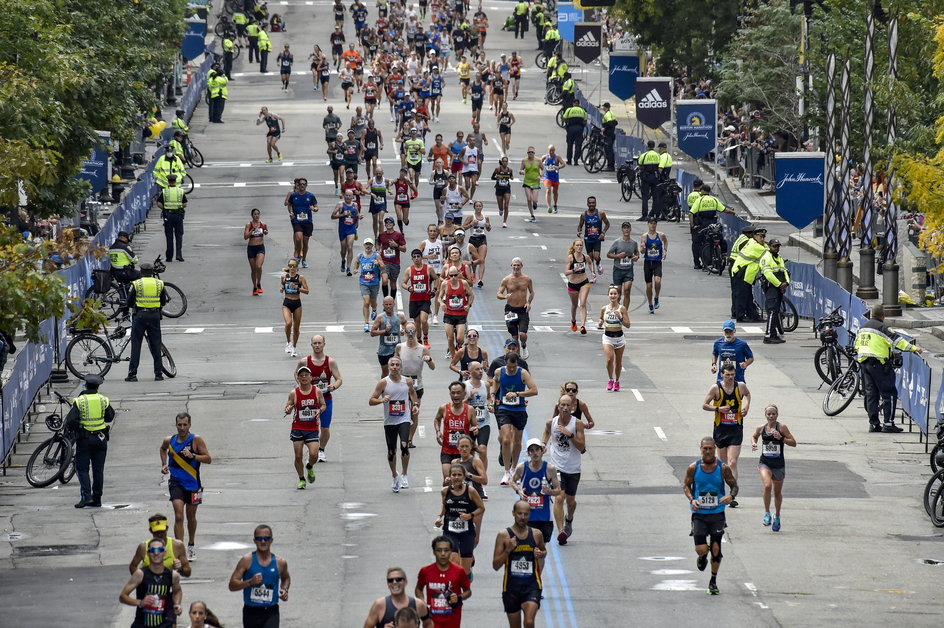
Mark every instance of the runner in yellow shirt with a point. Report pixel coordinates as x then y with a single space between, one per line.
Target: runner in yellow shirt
464 68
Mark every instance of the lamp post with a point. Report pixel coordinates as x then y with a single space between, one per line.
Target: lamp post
845 204
867 289
829 233
890 252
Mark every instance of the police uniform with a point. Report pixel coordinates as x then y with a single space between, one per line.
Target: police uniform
609 123
122 260
575 121
265 47
521 19
743 273
173 203
649 176
873 343
252 32
774 280
567 93
747 234
216 83
166 165
704 212
147 296
551 39
88 419
229 48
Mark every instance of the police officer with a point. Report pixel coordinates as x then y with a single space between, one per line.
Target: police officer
568 91
252 33
123 259
743 273
179 124
169 164
575 121
177 143
147 296
173 204
241 20
873 343
229 48
216 83
648 177
521 19
704 212
551 39
609 135
747 235
774 281
540 23
88 419
665 162
265 47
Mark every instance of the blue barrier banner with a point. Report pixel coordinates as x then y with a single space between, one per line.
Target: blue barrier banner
594 116
624 70
30 371
627 148
939 403
913 381
696 121
97 168
567 16
800 191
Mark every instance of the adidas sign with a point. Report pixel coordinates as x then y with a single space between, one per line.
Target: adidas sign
653 100
587 41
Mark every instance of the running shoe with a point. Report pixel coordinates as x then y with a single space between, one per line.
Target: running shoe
191 553
255 292
713 588
569 527
651 310
525 353
555 209
657 303
531 219
311 475
342 265
373 315
701 562
504 225
366 328
321 456
304 264
294 352
583 330
260 290
426 342
550 211
484 493
776 526
435 320
600 269
573 325
349 273
506 479
280 154
288 347
404 481
268 161
562 538
766 520
448 354
481 283
616 386
609 385
301 485
395 484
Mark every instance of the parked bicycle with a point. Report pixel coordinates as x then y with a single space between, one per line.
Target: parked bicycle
93 354
553 94
849 384
713 255
192 155
937 454
541 59
670 209
830 360
789 319
934 500
593 154
54 459
113 294
627 176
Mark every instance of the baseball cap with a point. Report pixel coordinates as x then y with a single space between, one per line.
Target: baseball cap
511 341
158 526
458 232
534 442
368 241
303 368
728 324
626 223
388 219
774 242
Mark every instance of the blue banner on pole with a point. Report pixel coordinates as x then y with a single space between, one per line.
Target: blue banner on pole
696 120
624 70
96 169
567 16
193 44
800 187
913 381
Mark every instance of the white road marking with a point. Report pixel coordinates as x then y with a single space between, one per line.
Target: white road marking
429 485
335 328
194 330
543 248
239 184
637 394
399 301
677 585
288 163
421 431
667 572
752 330
750 586
263 330
536 235
682 330
245 165
660 433
546 328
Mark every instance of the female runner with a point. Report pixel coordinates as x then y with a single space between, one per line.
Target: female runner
613 317
254 232
477 225
578 283
293 286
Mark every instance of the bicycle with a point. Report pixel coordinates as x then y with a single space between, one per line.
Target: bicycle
934 500
224 25
54 459
90 354
113 295
541 59
192 155
671 209
628 177
849 384
553 95
937 453
713 257
789 319
828 359
593 155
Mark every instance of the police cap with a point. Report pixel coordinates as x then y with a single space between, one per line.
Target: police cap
93 381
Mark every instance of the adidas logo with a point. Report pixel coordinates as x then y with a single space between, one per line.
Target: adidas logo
587 41
652 100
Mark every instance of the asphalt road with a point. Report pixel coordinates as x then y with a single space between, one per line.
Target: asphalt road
855 538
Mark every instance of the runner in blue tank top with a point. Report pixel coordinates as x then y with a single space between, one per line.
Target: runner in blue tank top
369 265
264 580
510 386
536 482
655 247
704 488
347 213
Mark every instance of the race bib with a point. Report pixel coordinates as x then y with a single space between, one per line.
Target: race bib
772 449
371 145
419 286
478 231
521 567
368 277
708 500
454 438
397 407
536 501
579 268
263 594
481 414
508 400
653 253
625 262
510 317
593 231
349 220
726 363
503 183
456 303
389 253
153 604
196 497
458 525
391 339
301 216
729 417
322 386
612 317
257 233
306 414
401 197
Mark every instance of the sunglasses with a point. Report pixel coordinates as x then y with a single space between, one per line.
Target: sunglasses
410 333
451 275
530 152
263 539
471 335
392 580
570 390
155 550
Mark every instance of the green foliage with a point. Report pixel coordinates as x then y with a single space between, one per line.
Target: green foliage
67 68
761 66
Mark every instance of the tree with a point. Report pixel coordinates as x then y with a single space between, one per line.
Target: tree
761 65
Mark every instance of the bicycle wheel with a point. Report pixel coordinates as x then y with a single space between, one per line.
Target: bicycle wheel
167 363
176 305
88 354
789 319
69 471
553 94
595 161
937 457
111 302
933 503
188 184
560 118
541 60
194 156
236 49
626 189
841 392
220 29
47 463
827 363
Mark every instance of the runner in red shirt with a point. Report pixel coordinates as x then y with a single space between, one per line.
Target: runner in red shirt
447 586
306 403
452 420
390 243
422 283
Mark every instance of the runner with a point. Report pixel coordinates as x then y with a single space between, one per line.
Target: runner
470 157
413 356
509 387
731 350
369 265
613 317
352 148
655 246
535 481
593 224
439 178
456 297
372 139
347 214
403 191
514 64
475 475
387 328
324 73
306 403
565 436
451 421
371 96
730 402
186 453
432 248
255 232
454 149
467 354
394 392
285 61
326 376
624 252
578 283
316 57
463 69
479 224
420 280
446 586
704 487
336 159
390 243
175 554
157 590
346 77
437 83
505 122
517 290
337 37
520 550
551 165
292 286
377 185
476 389
273 133
502 176
772 465
384 610
461 506
531 169
301 205
415 150
264 580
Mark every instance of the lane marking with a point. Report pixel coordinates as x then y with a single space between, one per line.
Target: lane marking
543 248
660 433
239 184
637 394
750 586
194 330
429 485
421 431
682 330
752 330
334 328
263 330
544 328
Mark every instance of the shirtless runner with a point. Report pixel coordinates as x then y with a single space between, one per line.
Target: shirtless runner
517 290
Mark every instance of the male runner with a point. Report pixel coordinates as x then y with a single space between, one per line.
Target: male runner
452 420
565 436
520 550
446 586
326 376
175 555
384 610
592 226
187 452
510 385
422 282
535 481
729 401
388 327
394 392
624 252
264 580
413 356
306 403
517 290
301 204
655 247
